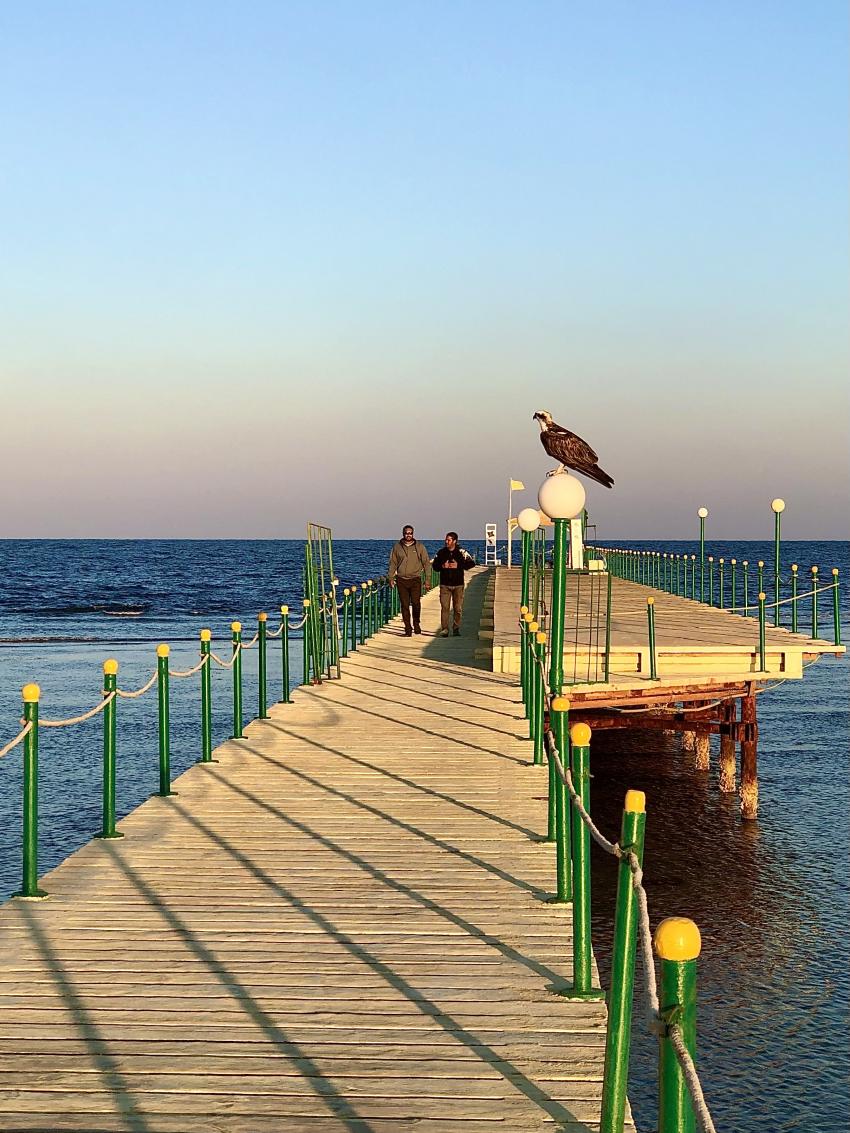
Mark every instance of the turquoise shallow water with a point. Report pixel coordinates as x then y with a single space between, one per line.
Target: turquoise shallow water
771 897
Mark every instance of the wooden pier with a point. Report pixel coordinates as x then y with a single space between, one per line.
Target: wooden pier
340 925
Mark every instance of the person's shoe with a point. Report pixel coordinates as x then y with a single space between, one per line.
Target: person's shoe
444 633
408 633
456 631
417 629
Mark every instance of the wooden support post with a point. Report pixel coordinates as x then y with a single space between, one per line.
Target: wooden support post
703 751
749 766
727 747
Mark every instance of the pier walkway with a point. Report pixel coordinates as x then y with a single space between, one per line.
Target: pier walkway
340 925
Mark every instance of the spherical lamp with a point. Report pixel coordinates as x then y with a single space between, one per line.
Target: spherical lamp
703 513
529 519
778 505
561 496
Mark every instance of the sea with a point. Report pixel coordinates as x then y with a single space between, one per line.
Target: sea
770 897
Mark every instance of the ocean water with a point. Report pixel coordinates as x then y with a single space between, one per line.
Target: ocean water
770 897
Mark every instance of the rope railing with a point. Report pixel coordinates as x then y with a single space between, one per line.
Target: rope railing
366 607
717 581
571 827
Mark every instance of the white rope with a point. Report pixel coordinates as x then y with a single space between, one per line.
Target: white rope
275 632
655 1020
27 728
784 601
188 672
298 625
253 641
227 664
78 719
139 691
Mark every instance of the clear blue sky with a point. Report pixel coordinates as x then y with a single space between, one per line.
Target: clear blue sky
271 262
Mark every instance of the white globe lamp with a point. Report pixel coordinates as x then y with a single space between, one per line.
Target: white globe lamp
561 496
778 505
703 513
528 519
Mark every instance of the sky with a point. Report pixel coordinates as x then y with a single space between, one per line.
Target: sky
268 263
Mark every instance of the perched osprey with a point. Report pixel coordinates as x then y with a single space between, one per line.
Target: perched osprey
569 450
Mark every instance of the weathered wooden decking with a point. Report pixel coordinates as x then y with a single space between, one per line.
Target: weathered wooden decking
338 926
699 648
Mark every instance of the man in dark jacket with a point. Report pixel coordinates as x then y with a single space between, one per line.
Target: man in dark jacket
451 561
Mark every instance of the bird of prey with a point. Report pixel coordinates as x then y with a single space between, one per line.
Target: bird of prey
569 450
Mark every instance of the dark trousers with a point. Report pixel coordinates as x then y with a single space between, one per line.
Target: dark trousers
409 594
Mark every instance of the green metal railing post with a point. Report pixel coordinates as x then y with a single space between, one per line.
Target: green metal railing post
163 713
236 652
563 853
711 580
778 507
527 688
539 695
533 682
836 607
262 667
526 567
650 620
815 625
110 685
581 987
608 631
364 601
762 623
721 587
523 659
794 580
353 625
559 577
618 1035
306 642
346 604
761 574
206 697
284 654
30 694
733 604
746 567
677 944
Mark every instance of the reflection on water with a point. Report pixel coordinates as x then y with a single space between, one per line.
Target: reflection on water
770 899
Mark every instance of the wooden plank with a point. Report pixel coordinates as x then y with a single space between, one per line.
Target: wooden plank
340 925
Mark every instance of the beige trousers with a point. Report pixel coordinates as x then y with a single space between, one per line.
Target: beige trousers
450 596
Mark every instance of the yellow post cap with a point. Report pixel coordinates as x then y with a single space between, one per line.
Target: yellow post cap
369 582
163 650
523 610
306 603
560 704
262 617
635 802
734 562
346 591
580 734
541 637
794 566
110 667
284 610
835 570
650 601
814 570
30 693
206 635
236 627
762 596
533 627
761 562
528 617
677 938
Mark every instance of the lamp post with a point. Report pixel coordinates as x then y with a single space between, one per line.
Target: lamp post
778 507
703 515
561 497
528 520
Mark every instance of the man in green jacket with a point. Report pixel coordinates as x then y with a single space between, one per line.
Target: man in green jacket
408 561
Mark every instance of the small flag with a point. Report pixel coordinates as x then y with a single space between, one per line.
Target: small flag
517 486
